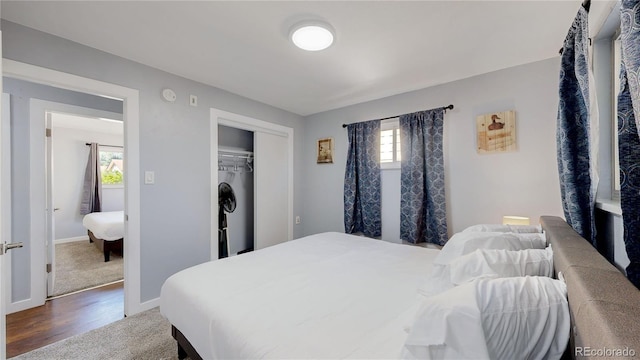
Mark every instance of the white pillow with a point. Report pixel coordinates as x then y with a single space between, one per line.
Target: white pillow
447 326
526 317
464 243
504 228
539 240
502 263
488 263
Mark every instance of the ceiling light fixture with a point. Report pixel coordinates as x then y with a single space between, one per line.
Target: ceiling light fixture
312 36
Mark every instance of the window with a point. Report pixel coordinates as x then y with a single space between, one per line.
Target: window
617 59
111 166
390 144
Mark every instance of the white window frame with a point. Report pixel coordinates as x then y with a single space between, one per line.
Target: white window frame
390 124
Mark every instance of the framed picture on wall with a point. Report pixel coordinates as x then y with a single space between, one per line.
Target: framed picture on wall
325 151
496 132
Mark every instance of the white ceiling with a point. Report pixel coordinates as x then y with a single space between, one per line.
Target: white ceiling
382 48
78 122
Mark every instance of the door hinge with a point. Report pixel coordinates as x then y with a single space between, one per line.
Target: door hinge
47 133
48 268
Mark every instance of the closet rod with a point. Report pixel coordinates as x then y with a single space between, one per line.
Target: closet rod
235 156
234 151
117 146
450 107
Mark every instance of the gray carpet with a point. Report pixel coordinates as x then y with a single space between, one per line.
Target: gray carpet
80 265
146 335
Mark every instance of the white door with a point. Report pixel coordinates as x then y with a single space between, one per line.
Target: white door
5 215
271 183
50 229
3 334
5 209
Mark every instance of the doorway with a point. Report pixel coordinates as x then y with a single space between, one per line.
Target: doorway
34 256
235 191
77 264
272 170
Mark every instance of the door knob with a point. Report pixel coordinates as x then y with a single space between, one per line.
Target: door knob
56 209
6 247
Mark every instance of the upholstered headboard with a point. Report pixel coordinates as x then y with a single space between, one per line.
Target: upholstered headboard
604 305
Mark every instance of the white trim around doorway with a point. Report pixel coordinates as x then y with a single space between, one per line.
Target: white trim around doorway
130 98
221 117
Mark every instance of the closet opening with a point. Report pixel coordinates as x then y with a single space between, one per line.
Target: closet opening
255 158
235 191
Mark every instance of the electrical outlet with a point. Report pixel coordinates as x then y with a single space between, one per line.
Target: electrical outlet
298 220
193 100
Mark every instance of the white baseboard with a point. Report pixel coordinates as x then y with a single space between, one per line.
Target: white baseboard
12 307
147 305
72 239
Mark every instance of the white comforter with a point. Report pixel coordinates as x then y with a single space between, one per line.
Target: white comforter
328 295
107 225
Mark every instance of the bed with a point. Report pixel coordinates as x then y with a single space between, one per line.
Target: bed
604 305
334 295
299 275
106 231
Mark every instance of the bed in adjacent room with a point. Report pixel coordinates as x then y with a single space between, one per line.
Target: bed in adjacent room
106 230
334 295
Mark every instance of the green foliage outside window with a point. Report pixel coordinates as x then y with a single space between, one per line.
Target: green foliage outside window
111 177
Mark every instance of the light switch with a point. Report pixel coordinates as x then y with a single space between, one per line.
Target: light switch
149 177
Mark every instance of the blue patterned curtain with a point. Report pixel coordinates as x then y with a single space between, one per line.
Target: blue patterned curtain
422 201
578 180
362 200
629 134
630 38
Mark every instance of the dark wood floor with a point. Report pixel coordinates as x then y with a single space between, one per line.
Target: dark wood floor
64 317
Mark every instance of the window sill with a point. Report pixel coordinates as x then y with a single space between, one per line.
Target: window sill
390 166
610 206
113 186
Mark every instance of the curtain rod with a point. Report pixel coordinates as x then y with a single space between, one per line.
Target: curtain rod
449 107
586 4
118 146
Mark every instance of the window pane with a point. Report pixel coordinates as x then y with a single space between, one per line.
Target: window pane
386 146
617 51
398 157
111 167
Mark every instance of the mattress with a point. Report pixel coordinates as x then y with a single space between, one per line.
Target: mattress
300 299
107 225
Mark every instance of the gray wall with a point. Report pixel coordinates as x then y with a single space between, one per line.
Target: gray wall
527 179
174 142
235 138
21 93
